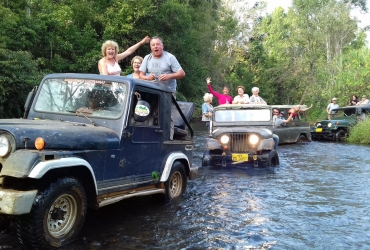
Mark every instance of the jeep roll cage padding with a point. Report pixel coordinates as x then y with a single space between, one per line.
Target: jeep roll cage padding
180 124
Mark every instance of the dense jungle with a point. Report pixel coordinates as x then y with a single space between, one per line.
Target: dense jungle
308 54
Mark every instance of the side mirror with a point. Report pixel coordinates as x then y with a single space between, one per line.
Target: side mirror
28 103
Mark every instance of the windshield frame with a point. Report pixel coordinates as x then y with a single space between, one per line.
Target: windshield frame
64 96
242 115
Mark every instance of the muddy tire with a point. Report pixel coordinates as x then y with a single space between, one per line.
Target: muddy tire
302 138
273 159
176 183
56 217
340 135
4 221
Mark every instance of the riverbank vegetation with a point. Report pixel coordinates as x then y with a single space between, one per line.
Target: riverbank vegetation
308 54
360 133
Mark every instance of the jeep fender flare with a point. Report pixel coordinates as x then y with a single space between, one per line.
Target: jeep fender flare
43 167
169 162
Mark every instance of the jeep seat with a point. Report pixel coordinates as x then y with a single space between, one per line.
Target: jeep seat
187 109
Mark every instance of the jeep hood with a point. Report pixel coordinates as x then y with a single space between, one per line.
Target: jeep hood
341 120
59 135
265 132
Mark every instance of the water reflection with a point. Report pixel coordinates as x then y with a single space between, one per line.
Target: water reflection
317 198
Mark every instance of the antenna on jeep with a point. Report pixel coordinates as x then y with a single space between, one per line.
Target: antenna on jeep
79 112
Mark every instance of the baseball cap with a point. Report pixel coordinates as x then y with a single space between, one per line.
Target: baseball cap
334 99
364 96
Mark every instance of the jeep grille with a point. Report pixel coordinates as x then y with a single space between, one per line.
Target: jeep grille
239 143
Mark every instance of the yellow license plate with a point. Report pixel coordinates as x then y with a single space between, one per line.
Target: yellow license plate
239 157
319 130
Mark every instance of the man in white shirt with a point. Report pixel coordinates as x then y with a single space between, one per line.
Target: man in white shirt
330 107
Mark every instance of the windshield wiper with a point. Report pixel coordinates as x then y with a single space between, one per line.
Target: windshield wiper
77 114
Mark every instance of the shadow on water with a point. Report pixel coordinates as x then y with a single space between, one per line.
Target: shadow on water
317 198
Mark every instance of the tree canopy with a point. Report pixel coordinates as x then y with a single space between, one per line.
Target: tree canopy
308 54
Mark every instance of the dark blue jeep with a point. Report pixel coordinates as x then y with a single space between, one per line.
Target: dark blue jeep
90 141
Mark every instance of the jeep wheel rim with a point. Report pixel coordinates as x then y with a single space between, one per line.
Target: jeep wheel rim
62 215
175 185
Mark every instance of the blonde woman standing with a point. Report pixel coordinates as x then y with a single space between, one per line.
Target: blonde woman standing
108 65
207 108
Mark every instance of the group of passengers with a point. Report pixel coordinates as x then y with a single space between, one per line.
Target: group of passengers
225 98
355 101
241 98
159 65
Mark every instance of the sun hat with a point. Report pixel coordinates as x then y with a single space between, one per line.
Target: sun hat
334 99
364 96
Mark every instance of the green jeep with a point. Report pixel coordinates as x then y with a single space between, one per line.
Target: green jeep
338 127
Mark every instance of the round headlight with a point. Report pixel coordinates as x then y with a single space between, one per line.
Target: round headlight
4 146
253 139
318 124
224 139
329 124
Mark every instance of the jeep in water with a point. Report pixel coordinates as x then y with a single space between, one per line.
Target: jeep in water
241 135
90 141
294 131
337 129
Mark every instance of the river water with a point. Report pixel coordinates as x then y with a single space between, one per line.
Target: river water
317 198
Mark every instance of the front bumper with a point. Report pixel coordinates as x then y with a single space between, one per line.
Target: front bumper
327 134
15 202
226 161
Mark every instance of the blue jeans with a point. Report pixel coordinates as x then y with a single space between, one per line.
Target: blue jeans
276 140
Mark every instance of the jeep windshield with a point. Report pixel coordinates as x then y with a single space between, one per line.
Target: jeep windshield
344 112
85 96
242 115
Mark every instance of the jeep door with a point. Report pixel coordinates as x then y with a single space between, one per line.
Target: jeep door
292 131
284 133
141 141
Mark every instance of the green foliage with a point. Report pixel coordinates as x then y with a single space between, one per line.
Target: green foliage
304 48
307 55
360 133
66 36
18 75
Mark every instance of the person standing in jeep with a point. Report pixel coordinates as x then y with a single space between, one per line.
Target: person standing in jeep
331 106
161 65
222 98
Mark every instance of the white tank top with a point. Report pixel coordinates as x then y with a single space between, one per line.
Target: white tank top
114 70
